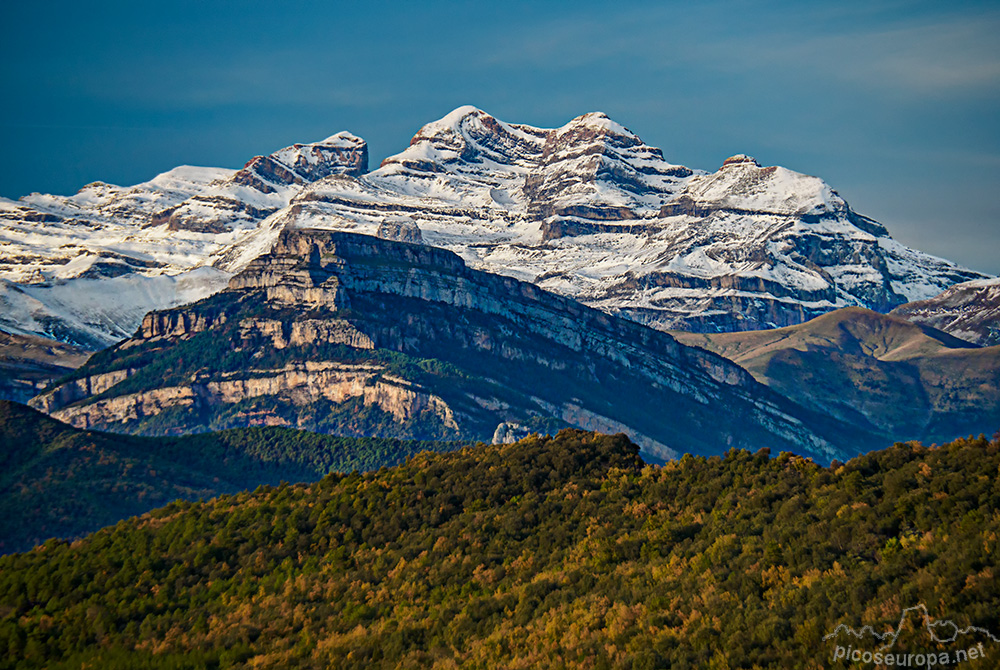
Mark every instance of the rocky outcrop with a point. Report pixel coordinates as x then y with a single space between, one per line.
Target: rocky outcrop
306 332
400 229
434 348
284 283
509 433
156 325
79 389
300 385
110 412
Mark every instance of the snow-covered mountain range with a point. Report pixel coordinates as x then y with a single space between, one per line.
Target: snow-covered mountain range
86 268
587 210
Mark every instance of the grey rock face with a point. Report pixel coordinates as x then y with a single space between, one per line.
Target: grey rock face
400 229
509 433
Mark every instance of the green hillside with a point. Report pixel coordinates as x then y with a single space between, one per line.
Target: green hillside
562 552
57 481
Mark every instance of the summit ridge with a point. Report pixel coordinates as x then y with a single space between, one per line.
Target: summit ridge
587 210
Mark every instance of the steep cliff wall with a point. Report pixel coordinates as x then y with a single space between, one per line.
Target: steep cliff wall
340 330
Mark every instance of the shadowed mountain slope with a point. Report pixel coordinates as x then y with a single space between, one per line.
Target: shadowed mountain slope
58 481
905 380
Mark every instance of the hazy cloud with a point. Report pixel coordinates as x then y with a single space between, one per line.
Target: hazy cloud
940 56
961 56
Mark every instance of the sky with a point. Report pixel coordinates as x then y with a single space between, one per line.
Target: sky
895 104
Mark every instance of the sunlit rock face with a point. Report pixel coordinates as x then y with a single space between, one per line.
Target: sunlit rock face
353 334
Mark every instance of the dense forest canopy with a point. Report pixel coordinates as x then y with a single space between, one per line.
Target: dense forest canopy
553 552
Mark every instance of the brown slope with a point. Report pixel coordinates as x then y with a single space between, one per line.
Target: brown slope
906 380
29 363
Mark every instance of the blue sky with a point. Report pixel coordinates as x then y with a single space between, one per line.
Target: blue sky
895 104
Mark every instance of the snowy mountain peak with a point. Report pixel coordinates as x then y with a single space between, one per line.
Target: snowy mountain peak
343 153
597 124
454 119
586 209
342 139
468 135
740 160
741 183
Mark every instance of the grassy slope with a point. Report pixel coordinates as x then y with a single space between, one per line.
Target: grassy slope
57 481
554 552
904 379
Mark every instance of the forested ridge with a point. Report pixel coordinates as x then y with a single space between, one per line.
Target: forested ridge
553 552
58 481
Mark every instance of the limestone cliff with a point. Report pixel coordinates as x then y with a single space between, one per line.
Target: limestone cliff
349 333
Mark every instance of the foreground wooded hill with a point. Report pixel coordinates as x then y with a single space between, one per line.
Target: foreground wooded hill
553 552
57 481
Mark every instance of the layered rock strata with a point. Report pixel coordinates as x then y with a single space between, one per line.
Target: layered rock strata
348 332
